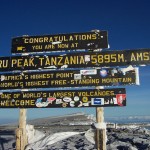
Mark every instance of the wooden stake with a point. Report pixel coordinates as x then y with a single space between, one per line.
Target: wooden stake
21 137
18 139
99 114
100 133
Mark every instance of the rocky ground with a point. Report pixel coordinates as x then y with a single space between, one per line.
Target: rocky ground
128 139
118 139
122 138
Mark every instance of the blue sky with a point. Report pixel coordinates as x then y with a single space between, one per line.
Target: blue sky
127 23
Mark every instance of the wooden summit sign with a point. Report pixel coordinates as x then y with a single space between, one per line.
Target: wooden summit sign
77 60
72 41
64 98
69 78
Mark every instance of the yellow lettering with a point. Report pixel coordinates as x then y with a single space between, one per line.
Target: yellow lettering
63 45
58 82
139 56
66 61
13 62
71 38
93 59
41 61
47 62
120 58
64 75
49 46
94 36
26 40
146 56
3 63
60 61
25 62
53 60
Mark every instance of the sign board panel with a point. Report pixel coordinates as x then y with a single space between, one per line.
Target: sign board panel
72 41
69 78
64 98
76 60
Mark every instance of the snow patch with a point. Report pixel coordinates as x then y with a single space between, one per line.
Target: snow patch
33 135
38 140
100 125
90 135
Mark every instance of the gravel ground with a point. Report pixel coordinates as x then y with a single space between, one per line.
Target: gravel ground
118 139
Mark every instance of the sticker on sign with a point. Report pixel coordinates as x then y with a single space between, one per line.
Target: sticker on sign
88 72
97 101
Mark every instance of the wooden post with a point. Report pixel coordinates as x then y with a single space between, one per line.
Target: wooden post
100 132
21 137
18 139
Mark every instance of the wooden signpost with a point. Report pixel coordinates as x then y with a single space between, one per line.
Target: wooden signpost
91 40
71 69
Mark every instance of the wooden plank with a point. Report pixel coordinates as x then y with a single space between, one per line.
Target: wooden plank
59 42
76 60
70 78
64 98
